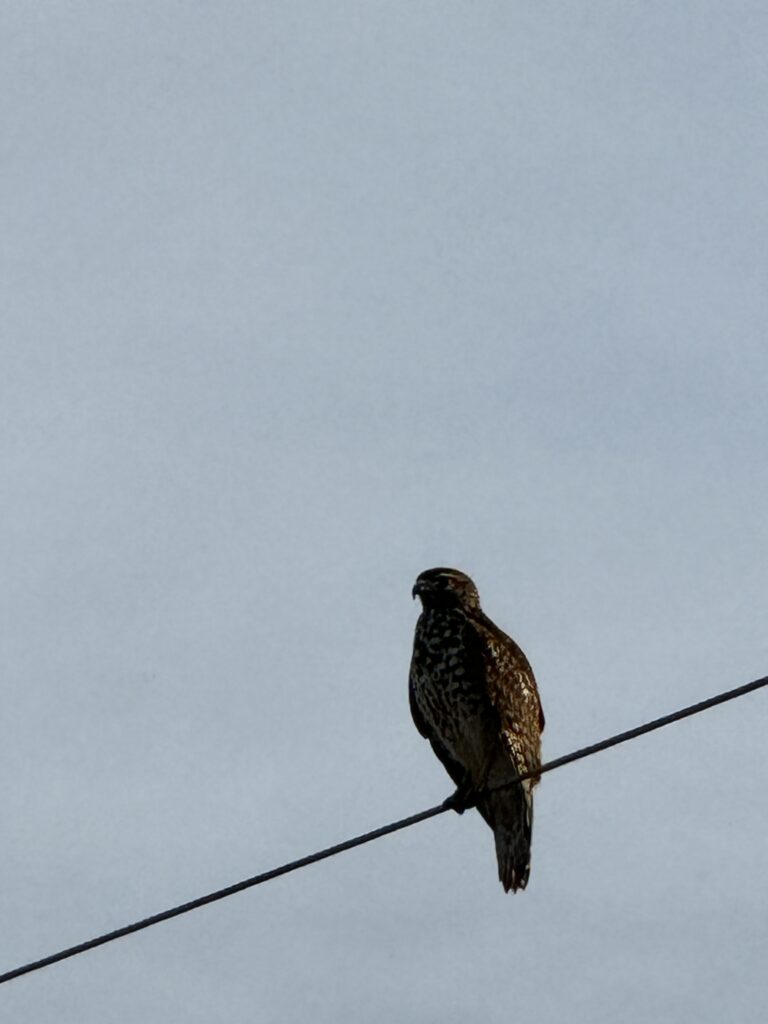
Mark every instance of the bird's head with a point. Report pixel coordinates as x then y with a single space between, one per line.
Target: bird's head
446 588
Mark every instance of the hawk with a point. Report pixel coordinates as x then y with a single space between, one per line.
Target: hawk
474 697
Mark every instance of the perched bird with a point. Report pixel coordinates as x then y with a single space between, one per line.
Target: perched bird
473 696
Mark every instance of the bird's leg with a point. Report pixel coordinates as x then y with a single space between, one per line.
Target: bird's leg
465 796
470 788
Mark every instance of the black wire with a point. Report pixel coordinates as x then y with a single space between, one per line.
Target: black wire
641 730
377 833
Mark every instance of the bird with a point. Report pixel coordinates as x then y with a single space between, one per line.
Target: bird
473 695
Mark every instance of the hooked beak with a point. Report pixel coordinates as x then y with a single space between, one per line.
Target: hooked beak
418 588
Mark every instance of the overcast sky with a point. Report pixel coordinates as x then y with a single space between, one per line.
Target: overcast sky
298 299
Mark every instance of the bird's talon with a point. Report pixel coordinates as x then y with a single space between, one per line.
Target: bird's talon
459 801
453 804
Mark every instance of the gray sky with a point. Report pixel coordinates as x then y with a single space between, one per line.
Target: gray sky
299 299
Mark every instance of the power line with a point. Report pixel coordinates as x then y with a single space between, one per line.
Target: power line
377 833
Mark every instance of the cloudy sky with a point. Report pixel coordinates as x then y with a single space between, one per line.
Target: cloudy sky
297 300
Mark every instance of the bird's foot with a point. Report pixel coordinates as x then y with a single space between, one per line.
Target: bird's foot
460 801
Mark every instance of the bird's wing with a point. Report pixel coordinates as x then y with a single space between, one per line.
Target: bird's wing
512 691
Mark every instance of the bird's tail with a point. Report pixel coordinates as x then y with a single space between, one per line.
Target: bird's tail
509 812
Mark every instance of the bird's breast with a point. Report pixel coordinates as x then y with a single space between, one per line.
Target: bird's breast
445 675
